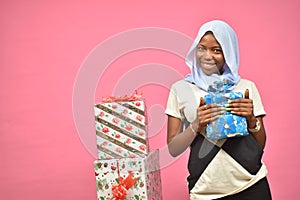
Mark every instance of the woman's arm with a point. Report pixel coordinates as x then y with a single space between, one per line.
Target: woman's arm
179 142
260 135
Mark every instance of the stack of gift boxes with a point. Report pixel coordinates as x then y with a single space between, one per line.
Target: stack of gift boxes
125 168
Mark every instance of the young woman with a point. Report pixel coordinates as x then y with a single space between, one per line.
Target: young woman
229 168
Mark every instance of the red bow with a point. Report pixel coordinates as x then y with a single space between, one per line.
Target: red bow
134 97
120 190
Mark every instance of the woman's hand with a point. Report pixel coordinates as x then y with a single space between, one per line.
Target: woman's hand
243 107
207 113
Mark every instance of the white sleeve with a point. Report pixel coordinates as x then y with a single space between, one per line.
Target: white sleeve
257 103
173 104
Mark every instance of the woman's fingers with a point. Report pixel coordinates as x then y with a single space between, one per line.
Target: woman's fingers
201 102
209 112
209 107
247 94
242 107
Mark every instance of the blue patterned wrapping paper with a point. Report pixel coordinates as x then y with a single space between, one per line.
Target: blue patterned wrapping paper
228 125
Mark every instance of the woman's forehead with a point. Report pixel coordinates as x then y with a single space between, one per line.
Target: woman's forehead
209 37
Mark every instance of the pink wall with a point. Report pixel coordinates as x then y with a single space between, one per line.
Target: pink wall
48 48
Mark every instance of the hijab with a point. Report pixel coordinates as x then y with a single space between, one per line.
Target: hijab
227 38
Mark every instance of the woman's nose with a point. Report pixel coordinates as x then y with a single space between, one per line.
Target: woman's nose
208 55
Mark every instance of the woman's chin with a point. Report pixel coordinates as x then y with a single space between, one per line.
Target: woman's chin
209 72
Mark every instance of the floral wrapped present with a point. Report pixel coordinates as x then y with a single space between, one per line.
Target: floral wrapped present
129 178
228 125
121 127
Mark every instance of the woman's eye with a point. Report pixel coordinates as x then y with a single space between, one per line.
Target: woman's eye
200 48
217 51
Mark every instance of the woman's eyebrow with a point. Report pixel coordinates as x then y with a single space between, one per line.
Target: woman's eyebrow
214 47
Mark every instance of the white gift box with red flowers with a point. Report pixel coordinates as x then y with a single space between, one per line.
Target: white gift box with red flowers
121 129
146 170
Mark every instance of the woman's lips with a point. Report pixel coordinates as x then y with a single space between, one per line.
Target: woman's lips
208 65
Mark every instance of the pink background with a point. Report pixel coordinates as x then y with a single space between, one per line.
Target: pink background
43 46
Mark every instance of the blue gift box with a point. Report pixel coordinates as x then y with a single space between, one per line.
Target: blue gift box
228 125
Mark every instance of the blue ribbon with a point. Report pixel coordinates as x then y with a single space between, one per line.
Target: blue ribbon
221 86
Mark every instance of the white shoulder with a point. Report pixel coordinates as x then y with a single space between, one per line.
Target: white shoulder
246 82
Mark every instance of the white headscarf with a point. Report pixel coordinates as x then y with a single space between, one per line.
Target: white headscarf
227 38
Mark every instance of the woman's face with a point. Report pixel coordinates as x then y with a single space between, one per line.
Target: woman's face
209 55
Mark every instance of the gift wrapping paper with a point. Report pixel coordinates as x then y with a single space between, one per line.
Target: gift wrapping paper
228 125
121 129
148 186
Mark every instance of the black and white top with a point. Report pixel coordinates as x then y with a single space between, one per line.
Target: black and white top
224 167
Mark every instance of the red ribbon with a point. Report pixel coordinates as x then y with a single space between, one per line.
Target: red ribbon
120 190
134 97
